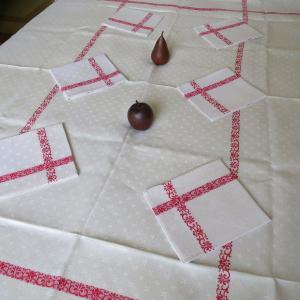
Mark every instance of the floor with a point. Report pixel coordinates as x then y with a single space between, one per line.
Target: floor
14 14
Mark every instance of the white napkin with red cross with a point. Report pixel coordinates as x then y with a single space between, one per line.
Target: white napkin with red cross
35 158
134 21
226 33
220 94
86 76
203 210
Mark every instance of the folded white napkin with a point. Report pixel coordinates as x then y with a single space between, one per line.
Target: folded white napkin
134 21
226 33
220 94
204 209
35 158
86 76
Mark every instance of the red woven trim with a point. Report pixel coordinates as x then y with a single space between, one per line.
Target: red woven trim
221 82
100 71
129 24
197 192
223 285
88 82
218 34
40 109
36 169
124 2
200 91
188 218
213 86
235 143
90 43
208 9
58 283
239 58
222 28
47 154
141 24
245 11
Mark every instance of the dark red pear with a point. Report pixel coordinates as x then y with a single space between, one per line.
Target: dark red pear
140 116
160 54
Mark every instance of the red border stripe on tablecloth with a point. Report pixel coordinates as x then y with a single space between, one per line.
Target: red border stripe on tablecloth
223 281
208 9
40 109
58 283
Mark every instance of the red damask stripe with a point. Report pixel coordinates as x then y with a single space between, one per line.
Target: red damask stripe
221 82
223 282
124 2
213 86
58 283
219 35
188 218
200 91
222 291
40 109
208 9
36 169
90 44
47 154
197 192
87 82
100 71
141 24
235 143
222 28
129 23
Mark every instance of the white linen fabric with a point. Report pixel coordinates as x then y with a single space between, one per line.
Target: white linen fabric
96 229
204 210
86 76
220 94
226 33
134 21
33 159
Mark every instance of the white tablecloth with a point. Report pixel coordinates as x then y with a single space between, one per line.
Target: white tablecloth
97 229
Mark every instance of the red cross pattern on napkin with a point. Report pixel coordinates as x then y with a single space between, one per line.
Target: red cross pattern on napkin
135 27
226 33
48 165
220 93
203 92
106 78
179 202
217 33
134 21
